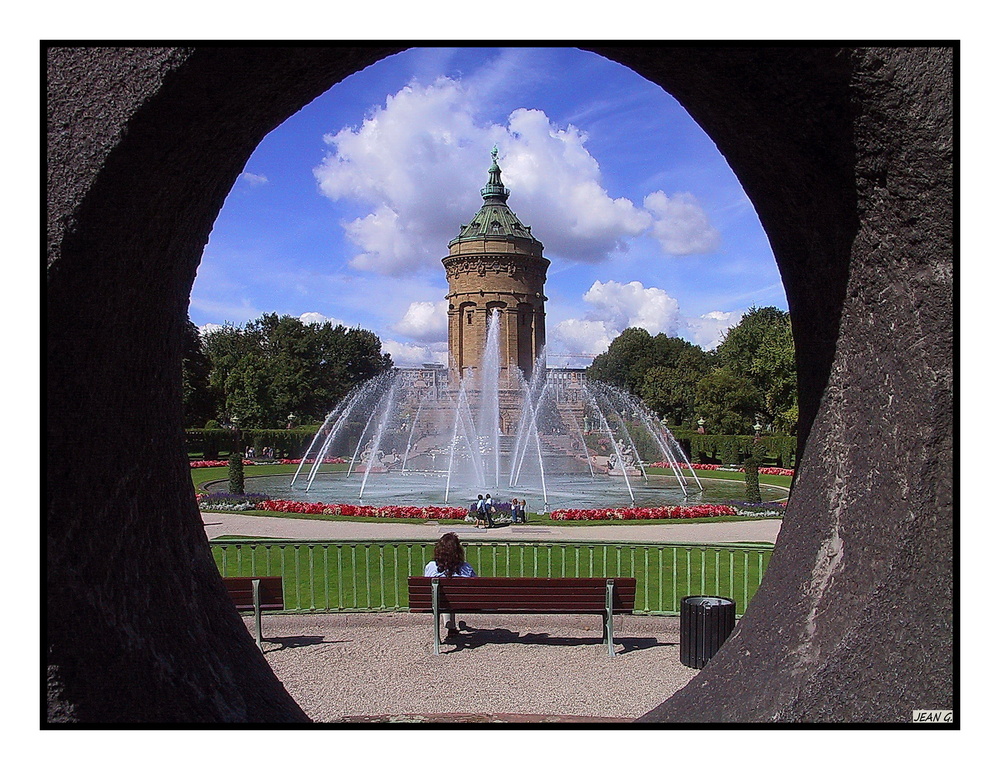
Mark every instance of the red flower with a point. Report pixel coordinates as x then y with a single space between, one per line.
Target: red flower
628 514
343 509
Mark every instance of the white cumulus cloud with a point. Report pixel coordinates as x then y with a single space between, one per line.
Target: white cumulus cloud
707 330
614 307
419 160
405 354
319 318
623 305
254 180
578 336
209 328
680 224
425 322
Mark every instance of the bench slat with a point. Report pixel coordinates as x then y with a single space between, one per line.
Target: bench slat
487 603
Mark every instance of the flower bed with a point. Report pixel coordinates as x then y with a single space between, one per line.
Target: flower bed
285 461
766 471
761 510
634 514
381 512
334 460
224 501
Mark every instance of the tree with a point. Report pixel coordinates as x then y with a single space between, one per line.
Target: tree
670 389
761 351
751 375
727 402
275 366
661 370
625 362
199 405
751 471
236 477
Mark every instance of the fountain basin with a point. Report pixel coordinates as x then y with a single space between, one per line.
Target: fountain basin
566 491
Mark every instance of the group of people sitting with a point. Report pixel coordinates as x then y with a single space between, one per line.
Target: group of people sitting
485 511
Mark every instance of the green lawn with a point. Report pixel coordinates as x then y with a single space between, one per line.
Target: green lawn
338 576
775 481
366 576
202 476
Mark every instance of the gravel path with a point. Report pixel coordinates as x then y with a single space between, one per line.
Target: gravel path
380 667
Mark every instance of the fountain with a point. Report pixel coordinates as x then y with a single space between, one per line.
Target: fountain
497 420
561 441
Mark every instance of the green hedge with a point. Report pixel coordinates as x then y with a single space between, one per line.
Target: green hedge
700 448
733 450
705 448
211 442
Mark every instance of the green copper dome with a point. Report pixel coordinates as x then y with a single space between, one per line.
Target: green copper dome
494 219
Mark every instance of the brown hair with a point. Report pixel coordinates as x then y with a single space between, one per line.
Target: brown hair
449 554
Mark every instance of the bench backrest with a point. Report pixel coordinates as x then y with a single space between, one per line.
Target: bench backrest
240 590
565 596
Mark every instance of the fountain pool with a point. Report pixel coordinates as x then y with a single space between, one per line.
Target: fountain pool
556 440
563 491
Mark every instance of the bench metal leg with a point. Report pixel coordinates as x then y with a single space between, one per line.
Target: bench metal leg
437 616
256 614
609 618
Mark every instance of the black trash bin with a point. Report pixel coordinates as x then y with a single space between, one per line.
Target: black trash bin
706 622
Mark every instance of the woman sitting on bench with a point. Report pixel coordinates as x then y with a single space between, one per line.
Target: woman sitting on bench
449 561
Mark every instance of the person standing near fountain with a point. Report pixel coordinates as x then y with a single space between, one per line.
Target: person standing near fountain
490 509
449 561
482 513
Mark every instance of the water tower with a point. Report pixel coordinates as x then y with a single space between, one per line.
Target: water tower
495 264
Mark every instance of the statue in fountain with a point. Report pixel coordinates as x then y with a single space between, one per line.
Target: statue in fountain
371 460
627 466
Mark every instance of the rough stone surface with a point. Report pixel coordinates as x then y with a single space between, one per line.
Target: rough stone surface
846 154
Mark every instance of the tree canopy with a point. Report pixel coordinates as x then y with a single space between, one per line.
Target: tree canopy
760 351
276 366
750 376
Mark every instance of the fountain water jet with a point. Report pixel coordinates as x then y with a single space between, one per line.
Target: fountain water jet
467 421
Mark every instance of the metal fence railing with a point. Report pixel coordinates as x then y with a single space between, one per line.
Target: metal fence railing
363 576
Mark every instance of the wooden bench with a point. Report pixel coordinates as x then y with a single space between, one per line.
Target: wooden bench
256 594
606 597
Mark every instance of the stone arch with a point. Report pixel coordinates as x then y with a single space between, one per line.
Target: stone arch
846 154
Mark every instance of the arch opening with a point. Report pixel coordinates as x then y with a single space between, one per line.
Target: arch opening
790 128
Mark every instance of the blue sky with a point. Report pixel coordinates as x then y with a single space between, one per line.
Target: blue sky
345 211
